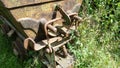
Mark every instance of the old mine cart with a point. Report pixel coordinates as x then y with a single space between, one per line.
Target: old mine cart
43 26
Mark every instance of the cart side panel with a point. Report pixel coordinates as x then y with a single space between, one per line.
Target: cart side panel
4 12
44 10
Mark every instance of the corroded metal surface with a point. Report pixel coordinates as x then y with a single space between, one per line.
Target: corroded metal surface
44 10
52 50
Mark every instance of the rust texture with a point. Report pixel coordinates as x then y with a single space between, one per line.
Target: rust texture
44 10
42 25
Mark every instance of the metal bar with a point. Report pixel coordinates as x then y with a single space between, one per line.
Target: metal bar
52 28
9 19
10 33
64 51
61 43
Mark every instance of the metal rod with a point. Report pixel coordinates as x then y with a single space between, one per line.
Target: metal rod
60 45
10 33
64 51
52 28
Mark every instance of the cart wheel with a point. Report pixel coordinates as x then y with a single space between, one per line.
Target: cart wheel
19 50
5 29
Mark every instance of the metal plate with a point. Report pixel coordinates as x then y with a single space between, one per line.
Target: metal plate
44 10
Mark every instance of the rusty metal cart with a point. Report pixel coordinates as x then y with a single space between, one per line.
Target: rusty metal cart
43 26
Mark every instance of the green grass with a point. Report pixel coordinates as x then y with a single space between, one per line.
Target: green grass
93 50
98 45
7 58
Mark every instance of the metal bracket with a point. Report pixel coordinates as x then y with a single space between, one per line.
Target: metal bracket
63 13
